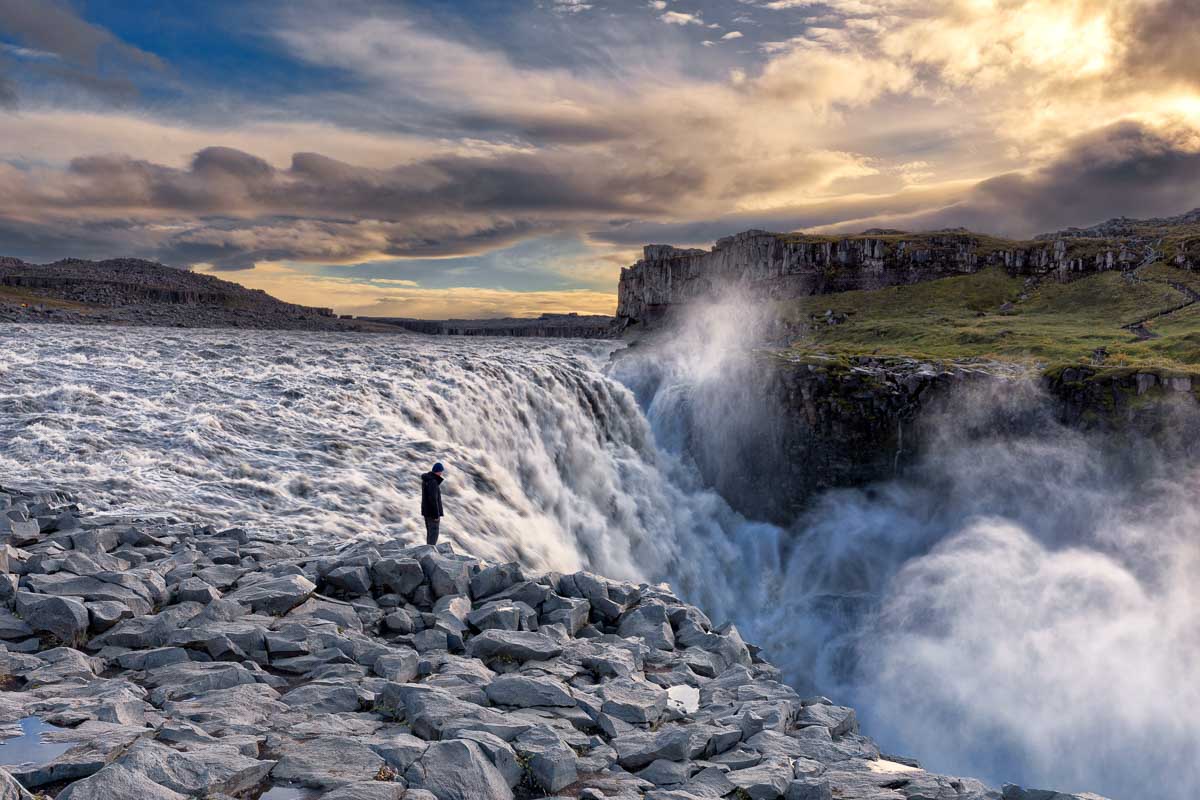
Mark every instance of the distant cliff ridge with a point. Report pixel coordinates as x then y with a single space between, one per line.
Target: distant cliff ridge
781 266
547 326
131 291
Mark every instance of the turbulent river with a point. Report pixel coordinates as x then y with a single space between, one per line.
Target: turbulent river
1019 607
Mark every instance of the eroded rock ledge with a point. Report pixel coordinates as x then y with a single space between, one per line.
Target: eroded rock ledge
183 661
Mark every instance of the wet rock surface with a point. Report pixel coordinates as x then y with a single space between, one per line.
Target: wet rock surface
183 661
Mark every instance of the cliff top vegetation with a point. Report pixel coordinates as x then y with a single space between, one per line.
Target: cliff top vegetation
1144 317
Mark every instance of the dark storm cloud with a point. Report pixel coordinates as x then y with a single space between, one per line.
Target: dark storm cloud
1126 169
1162 40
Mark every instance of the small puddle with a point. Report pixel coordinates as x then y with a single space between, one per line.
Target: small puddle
30 747
686 696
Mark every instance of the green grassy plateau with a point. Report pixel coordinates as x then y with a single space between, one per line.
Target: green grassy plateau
991 315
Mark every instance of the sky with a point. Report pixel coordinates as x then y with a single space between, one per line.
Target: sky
485 158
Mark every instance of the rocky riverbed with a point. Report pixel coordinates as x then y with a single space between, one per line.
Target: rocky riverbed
169 659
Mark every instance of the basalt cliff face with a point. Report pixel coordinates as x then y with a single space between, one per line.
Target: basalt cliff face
781 266
816 421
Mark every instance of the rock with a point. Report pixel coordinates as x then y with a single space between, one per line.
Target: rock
766 781
503 757
401 576
369 790
551 761
650 622
458 770
400 750
496 578
399 621
326 762
64 618
838 719
196 591
13 627
350 580
10 789
527 692
103 614
809 789
446 576
152 659
323 698
513 646
667 773
116 782
641 748
399 666
199 771
504 615
277 596
634 701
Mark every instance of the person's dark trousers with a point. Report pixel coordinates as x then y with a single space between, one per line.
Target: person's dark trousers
432 526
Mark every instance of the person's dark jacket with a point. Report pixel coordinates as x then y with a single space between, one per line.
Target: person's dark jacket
431 495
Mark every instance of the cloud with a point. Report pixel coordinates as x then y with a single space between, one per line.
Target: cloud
733 35
1125 169
398 298
681 18
63 46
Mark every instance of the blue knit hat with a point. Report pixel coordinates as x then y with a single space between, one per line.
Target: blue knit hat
438 467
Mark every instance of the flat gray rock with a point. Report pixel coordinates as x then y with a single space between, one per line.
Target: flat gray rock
513 646
327 762
116 782
200 770
526 692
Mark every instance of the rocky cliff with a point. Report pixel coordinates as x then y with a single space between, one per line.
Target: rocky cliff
135 292
813 425
164 660
780 266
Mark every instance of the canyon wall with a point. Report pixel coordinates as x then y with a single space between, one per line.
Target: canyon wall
780 266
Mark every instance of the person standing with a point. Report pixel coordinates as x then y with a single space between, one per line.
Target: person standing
431 502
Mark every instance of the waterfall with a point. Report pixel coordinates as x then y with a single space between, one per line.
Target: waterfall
1019 605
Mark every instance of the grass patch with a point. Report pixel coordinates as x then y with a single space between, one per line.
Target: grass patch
13 296
988 315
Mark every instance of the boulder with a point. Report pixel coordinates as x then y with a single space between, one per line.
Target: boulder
526 692
551 761
327 762
400 576
634 701
350 580
277 596
198 771
650 622
458 770
496 578
513 646
368 790
116 782
323 698
64 618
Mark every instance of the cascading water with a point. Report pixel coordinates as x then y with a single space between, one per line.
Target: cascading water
1019 606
